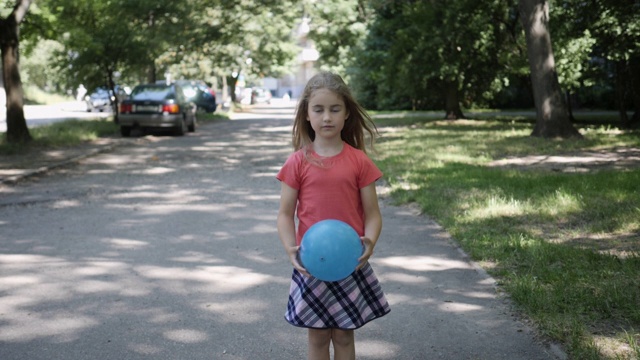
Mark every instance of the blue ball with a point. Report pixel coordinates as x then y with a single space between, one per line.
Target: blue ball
330 250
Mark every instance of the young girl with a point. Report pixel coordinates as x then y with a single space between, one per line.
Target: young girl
329 176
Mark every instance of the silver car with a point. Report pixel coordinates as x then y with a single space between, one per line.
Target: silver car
100 100
157 106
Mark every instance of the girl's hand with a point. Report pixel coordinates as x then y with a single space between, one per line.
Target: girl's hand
294 257
366 254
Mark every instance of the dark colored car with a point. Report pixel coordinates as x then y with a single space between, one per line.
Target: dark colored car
198 92
157 106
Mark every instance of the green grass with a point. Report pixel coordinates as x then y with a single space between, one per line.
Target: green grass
564 246
61 134
35 96
74 132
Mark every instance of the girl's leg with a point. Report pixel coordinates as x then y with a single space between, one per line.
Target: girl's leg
344 344
319 340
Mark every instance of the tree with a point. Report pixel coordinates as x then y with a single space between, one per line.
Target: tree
616 27
256 41
143 40
552 116
337 28
436 54
598 42
17 130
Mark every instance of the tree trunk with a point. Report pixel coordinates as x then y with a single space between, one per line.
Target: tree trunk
17 130
231 81
452 101
634 80
621 92
552 116
115 103
570 107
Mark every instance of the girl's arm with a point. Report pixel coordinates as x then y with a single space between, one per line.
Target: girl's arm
286 225
372 221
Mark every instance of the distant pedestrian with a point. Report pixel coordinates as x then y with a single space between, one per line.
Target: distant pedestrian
330 176
81 92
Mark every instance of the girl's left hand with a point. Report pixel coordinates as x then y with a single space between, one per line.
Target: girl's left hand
366 254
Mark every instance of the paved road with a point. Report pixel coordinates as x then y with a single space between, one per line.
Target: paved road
169 250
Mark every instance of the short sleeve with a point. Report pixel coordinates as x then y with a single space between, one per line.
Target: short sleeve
369 172
290 171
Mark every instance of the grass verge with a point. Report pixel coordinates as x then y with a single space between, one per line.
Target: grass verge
564 246
61 134
71 132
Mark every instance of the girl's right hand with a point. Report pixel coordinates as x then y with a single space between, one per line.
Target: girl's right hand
294 257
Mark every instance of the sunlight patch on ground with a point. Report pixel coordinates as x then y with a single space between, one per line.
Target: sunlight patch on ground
157 171
613 348
186 336
126 243
240 311
214 279
197 258
24 326
458 307
423 263
403 278
376 349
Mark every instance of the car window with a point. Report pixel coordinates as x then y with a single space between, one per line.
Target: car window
153 93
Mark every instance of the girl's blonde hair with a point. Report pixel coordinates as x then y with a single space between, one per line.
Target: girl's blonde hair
355 126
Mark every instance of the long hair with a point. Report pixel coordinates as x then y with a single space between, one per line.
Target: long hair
355 125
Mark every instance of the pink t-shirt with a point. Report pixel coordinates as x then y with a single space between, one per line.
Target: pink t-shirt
330 190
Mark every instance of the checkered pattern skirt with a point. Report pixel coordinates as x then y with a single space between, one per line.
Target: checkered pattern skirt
347 304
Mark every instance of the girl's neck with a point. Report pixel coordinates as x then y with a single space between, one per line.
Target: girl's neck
328 148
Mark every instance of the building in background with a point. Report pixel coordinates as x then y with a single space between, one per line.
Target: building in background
293 84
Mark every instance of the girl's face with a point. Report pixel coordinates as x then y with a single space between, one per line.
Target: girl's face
326 113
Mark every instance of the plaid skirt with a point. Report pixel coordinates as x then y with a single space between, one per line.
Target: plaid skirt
346 304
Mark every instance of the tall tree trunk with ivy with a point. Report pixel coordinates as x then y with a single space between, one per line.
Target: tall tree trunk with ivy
17 131
552 115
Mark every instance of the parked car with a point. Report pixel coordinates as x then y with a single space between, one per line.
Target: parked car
260 95
200 93
103 99
253 95
157 106
100 99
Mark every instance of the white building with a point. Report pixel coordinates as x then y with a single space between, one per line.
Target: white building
294 83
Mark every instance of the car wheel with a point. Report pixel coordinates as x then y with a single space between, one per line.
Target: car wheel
125 131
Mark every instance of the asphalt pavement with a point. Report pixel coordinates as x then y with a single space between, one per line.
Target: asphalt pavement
167 248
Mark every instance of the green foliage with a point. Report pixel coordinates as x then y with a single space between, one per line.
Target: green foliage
129 42
338 28
417 50
38 68
396 55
